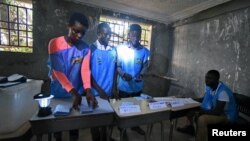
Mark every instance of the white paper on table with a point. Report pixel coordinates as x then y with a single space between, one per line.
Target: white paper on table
189 101
14 77
176 103
125 109
62 108
125 103
8 84
139 98
157 105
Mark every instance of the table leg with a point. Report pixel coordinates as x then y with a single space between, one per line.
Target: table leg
162 131
109 130
171 130
149 131
49 136
123 130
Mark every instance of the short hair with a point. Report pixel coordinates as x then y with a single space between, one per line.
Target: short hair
135 27
78 17
102 25
215 73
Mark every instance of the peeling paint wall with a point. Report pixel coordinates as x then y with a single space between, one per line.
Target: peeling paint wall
220 42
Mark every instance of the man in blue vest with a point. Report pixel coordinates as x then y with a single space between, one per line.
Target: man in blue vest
131 66
218 106
103 72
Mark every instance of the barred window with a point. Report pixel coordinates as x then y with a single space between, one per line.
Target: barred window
16 26
119 28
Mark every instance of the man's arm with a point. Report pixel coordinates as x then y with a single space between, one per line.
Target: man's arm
98 88
122 74
85 72
219 109
57 64
114 87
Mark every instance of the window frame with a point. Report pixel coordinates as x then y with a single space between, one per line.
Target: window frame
16 28
110 20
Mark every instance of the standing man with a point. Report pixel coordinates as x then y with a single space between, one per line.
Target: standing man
103 70
69 59
132 64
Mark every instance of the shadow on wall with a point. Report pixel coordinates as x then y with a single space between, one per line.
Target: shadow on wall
180 91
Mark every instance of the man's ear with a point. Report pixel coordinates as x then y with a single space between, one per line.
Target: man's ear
99 35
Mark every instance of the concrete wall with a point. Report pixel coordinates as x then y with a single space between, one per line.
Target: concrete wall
217 38
49 21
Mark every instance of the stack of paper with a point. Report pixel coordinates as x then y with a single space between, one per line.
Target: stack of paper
157 105
85 109
126 109
62 110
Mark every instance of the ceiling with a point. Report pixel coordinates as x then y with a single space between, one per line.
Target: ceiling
164 11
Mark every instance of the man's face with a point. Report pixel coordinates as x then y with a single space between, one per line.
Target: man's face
104 36
76 32
134 38
211 80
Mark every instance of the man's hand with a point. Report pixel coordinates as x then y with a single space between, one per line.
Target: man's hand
115 94
102 94
77 99
139 78
91 99
127 77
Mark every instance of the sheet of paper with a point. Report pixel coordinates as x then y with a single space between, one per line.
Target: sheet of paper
139 98
14 77
157 105
125 103
176 103
62 108
189 101
126 109
8 84
85 109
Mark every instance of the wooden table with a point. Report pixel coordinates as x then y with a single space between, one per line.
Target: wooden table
102 116
147 116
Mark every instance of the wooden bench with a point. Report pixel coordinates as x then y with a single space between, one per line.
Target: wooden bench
243 106
243 121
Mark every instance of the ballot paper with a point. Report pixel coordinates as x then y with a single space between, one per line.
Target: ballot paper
176 103
124 103
85 109
126 109
62 110
157 105
189 101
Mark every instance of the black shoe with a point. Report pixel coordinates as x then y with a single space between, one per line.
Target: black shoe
189 129
138 130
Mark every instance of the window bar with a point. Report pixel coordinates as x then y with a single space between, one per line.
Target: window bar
113 37
123 32
8 15
145 36
26 23
18 24
118 37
